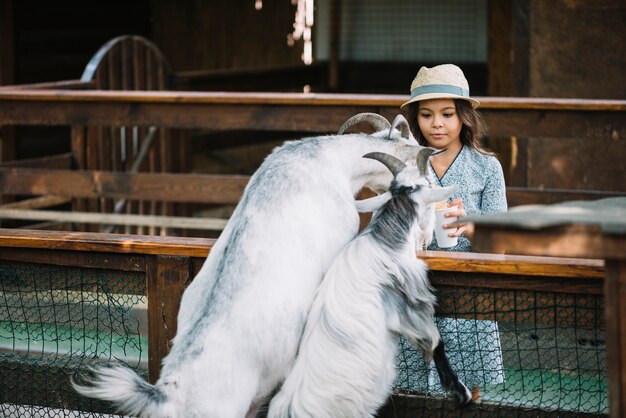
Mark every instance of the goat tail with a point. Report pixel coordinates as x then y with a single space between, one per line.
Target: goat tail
130 393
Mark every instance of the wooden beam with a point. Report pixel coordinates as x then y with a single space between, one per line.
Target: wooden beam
77 258
53 85
37 203
58 161
189 188
198 247
115 219
517 196
513 264
578 241
561 118
106 243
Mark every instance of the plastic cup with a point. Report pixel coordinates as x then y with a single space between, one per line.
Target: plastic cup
443 240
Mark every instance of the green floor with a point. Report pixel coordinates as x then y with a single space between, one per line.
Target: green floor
551 390
538 388
36 339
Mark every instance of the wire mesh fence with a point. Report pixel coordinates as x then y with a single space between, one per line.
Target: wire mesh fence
523 352
57 320
519 350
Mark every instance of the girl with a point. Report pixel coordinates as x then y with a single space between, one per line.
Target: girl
442 115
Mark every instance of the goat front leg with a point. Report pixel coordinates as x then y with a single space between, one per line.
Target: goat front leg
447 376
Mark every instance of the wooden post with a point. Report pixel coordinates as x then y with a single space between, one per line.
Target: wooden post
509 60
167 277
615 294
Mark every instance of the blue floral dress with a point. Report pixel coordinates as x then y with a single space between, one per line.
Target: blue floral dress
481 186
473 346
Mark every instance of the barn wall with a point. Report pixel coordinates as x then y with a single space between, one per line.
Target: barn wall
563 49
578 51
205 35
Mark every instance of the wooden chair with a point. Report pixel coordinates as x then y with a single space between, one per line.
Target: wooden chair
128 63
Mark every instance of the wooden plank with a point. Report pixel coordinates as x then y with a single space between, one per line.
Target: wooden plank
532 196
540 283
199 247
513 264
37 202
190 188
168 277
401 405
53 85
301 118
108 243
578 241
561 118
74 258
49 226
127 219
58 161
318 99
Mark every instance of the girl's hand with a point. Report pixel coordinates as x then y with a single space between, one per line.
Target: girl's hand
466 228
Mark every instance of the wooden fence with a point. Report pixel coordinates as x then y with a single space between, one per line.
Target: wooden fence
168 265
304 114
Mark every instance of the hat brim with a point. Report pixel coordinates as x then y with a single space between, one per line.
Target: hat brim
427 96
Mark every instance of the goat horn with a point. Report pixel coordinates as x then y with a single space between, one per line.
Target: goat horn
377 121
422 158
401 122
392 163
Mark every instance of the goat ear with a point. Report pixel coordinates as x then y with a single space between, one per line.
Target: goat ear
441 193
373 203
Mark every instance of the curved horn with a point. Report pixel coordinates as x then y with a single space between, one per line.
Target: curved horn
377 121
401 122
392 163
422 158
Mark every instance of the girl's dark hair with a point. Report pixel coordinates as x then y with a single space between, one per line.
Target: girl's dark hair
472 132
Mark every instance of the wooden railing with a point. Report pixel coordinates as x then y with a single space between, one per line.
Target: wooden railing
301 114
169 264
297 112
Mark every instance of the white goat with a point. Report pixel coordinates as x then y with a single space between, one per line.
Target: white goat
241 319
375 290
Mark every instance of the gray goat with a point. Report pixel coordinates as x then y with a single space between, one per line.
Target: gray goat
241 319
375 290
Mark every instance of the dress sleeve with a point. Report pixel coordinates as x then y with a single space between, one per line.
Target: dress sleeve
494 194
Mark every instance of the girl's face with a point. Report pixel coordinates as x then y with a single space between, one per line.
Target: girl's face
439 123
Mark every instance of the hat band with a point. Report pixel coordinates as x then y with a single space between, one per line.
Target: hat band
439 88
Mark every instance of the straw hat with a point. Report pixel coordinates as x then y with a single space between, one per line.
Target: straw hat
444 81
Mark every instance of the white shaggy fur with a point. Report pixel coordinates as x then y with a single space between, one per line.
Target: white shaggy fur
242 317
375 290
